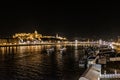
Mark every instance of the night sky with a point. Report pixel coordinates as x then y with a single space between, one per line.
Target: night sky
75 20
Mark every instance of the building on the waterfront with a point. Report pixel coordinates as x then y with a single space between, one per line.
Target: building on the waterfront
53 38
35 37
9 41
28 36
3 41
118 40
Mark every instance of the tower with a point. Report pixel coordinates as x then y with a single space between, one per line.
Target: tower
36 32
56 35
118 39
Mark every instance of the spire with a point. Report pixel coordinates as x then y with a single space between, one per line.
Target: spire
36 32
56 35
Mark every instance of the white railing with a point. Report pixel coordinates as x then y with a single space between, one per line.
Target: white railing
115 59
110 76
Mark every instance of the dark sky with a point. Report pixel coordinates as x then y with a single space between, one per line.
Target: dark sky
74 20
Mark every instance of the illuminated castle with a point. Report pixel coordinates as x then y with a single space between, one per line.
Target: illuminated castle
35 36
28 36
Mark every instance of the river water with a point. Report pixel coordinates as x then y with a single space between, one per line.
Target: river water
34 63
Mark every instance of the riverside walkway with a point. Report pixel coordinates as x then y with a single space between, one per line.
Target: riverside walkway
85 43
10 45
92 73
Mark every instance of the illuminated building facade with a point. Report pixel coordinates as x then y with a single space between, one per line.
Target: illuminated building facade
35 37
23 37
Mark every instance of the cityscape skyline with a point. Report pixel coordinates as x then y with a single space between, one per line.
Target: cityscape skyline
70 20
66 40
81 38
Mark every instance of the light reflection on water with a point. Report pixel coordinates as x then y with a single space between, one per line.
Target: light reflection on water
33 63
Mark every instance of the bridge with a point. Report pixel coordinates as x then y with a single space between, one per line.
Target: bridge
89 43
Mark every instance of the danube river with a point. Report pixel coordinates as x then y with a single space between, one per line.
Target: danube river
34 63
